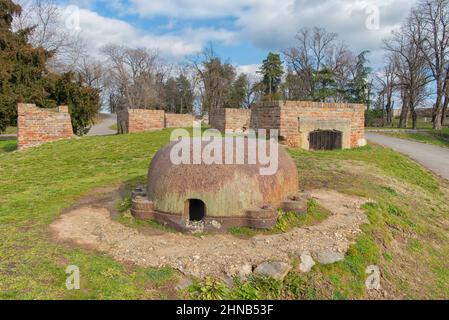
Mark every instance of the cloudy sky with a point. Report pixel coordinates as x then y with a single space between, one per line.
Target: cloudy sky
241 30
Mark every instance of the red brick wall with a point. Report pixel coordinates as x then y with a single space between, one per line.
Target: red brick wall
217 119
230 119
36 126
284 116
175 120
266 115
143 120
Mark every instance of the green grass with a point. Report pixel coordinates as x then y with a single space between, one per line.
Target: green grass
35 185
408 207
407 236
7 146
436 137
421 124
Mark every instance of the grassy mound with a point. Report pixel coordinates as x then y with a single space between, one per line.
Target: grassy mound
407 237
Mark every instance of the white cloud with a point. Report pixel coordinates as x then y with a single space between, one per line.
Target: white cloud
250 70
266 24
272 24
98 31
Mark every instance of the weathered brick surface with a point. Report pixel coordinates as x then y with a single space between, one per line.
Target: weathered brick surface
140 120
225 119
175 120
285 116
36 126
144 120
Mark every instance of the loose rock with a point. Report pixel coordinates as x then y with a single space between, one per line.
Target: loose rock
328 256
242 271
276 270
306 262
183 284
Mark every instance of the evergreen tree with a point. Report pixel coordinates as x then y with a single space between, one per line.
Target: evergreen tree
272 72
358 90
325 85
24 78
83 101
238 92
186 94
179 95
22 72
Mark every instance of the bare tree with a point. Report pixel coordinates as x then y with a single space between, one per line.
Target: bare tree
386 82
309 54
214 79
344 65
49 31
411 69
431 20
253 90
135 78
317 50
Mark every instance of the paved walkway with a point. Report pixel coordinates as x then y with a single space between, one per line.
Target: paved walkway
432 157
5 137
102 129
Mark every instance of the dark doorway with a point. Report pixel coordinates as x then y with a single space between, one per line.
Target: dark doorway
197 210
325 140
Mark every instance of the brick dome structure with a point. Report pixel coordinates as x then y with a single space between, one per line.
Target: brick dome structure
218 196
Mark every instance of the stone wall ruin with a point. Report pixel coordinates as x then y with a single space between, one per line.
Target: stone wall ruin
296 120
36 126
146 120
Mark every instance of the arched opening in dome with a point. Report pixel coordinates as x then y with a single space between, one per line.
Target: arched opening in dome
197 210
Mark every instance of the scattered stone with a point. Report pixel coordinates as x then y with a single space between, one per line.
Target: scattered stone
276 270
306 262
219 252
183 284
227 280
215 224
242 271
328 256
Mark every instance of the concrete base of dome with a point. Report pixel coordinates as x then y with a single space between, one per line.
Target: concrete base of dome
257 218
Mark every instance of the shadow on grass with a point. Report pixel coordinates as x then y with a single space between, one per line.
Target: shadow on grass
8 146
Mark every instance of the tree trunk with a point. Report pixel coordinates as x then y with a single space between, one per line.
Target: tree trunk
446 100
390 114
405 112
389 110
414 114
444 111
437 110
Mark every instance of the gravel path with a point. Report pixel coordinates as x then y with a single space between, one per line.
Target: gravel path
92 227
432 157
4 137
102 129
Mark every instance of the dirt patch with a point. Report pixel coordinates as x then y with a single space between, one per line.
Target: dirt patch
91 226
